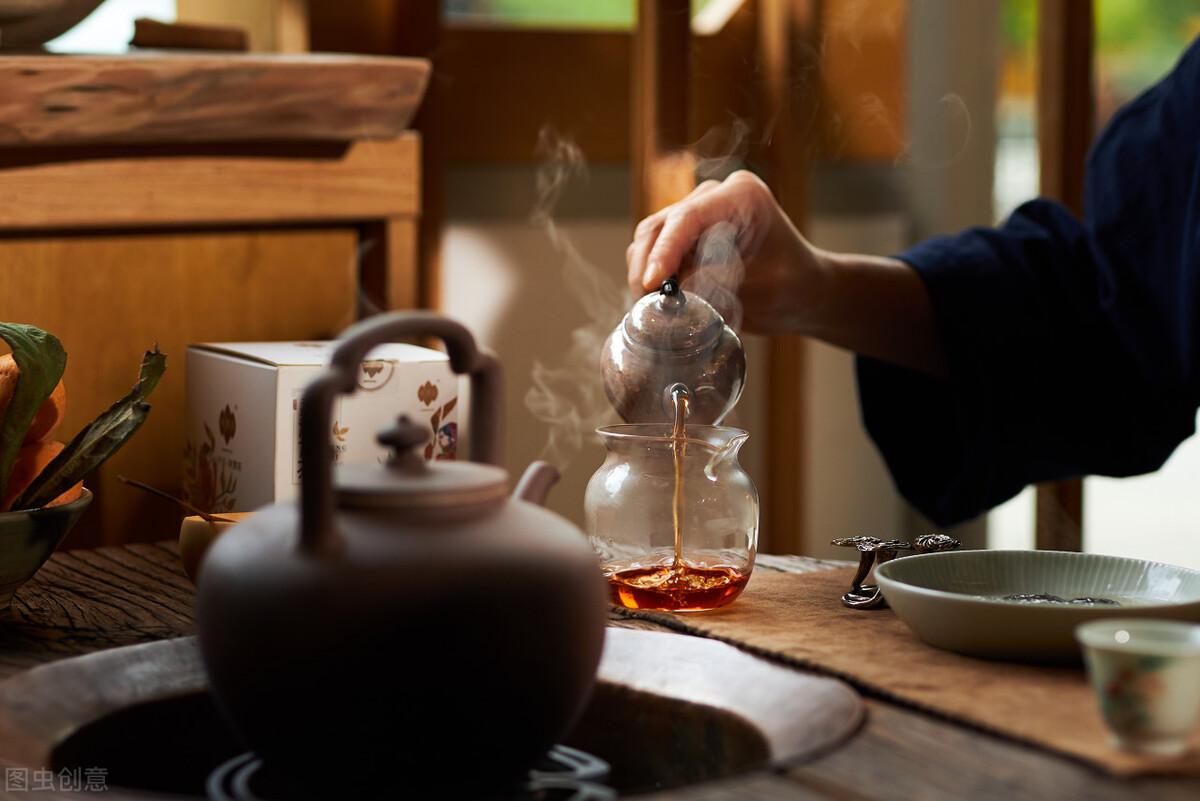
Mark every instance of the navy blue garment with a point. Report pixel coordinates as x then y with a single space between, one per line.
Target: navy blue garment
1071 345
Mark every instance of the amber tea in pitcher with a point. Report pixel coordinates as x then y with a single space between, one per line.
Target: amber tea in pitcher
674 518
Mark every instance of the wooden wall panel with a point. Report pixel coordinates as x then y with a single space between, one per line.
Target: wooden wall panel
110 297
279 26
863 58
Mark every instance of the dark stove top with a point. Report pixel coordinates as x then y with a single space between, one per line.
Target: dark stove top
564 774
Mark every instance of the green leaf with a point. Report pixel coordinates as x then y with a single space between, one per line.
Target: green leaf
154 364
41 360
103 437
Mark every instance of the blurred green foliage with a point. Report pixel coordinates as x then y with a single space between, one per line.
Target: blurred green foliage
553 13
548 13
1137 41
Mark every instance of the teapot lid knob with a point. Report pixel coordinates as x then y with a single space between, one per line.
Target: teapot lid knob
403 439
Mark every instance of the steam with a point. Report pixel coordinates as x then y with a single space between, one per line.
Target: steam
717 272
955 119
570 399
721 151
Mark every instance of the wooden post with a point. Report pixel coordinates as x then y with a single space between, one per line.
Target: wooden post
411 28
789 86
291 26
418 27
389 274
662 170
1065 126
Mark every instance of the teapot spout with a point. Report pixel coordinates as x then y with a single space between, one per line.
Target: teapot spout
536 482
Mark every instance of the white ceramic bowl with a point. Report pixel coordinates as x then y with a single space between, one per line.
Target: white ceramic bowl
955 600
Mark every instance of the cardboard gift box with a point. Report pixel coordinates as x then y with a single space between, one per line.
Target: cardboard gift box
243 403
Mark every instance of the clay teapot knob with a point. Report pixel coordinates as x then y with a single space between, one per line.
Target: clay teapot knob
404 438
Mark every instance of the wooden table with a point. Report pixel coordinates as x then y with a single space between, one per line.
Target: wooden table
88 600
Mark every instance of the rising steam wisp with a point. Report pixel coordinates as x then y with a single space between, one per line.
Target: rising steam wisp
570 398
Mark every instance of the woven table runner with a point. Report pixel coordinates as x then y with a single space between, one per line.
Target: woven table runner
799 619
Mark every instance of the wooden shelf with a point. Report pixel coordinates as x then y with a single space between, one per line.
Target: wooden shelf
196 97
279 184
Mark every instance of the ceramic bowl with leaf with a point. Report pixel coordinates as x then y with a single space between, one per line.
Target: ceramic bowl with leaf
41 478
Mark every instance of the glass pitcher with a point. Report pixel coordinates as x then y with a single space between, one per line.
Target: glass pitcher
673 539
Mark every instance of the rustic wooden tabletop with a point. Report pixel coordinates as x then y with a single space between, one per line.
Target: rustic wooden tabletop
84 601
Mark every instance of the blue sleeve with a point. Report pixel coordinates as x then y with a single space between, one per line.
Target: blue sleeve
1070 343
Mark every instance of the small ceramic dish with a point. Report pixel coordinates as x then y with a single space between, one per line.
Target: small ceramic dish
967 601
1146 674
28 537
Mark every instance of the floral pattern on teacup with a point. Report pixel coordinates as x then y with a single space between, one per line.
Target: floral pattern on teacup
1129 695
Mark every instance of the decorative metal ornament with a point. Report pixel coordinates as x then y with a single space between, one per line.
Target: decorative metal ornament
874 552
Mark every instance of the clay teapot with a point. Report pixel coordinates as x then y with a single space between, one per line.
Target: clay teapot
672 337
405 625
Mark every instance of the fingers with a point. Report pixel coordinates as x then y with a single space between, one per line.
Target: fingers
635 256
680 230
645 237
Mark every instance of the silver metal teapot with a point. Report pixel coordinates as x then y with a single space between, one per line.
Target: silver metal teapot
671 338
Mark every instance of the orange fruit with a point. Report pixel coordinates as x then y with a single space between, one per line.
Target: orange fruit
49 414
9 372
73 494
31 460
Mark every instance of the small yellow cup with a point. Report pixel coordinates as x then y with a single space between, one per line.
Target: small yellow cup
196 535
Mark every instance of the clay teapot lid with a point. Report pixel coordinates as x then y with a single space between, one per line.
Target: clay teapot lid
408 481
673 320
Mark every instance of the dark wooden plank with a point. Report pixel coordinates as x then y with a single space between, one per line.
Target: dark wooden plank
760 786
901 755
85 601
151 33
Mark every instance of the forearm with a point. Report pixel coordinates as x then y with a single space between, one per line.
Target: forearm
877 307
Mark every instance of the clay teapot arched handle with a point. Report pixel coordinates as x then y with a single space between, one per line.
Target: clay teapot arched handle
316 407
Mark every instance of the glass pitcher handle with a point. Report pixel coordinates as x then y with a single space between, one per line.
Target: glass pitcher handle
316 407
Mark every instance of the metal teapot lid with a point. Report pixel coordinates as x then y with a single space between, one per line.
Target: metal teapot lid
673 320
408 481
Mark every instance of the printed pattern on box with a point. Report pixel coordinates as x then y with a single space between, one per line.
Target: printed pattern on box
243 447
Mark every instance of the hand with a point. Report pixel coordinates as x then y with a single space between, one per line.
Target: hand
784 275
875 306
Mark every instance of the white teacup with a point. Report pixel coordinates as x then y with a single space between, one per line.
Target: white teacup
1146 674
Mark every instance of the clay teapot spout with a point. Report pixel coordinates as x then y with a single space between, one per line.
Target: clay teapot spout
536 482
